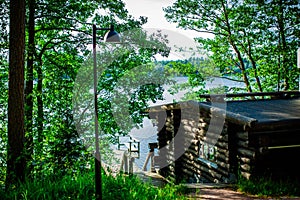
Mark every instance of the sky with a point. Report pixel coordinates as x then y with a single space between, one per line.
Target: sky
153 10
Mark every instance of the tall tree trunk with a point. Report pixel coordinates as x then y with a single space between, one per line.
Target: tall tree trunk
242 67
15 146
40 114
283 52
253 62
29 85
236 50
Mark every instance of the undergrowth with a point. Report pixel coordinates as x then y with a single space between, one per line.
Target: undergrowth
81 187
268 186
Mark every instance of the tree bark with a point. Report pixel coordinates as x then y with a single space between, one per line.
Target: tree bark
284 49
15 145
29 85
40 105
253 62
236 50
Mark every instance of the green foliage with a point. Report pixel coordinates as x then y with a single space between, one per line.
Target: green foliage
198 72
253 41
3 27
81 187
3 85
61 43
3 117
127 81
58 186
131 187
266 186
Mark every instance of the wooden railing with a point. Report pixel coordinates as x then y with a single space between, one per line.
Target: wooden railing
151 157
131 144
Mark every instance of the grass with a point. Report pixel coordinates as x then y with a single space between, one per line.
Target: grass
82 187
53 187
121 187
267 186
131 187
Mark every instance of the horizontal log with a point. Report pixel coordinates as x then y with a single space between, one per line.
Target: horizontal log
189 168
246 152
246 167
222 145
205 121
190 162
222 171
244 160
222 167
246 175
201 133
271 127
222 157
169 126
194 141
190 129
223 151
186 172
194 121
212 139
207 176
244 144
192 152
242 135
224 137
216 129
213 174
188 157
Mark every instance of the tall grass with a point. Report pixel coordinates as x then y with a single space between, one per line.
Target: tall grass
81 187
268 186
131 187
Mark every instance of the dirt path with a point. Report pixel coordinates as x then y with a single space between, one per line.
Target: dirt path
225 194
218 193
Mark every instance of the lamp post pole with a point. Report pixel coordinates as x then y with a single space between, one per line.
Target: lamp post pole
98 178
111 36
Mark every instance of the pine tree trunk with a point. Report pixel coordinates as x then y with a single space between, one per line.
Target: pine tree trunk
15 146
29 85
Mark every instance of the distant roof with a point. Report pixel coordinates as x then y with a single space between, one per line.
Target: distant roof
267 110
264 114
261 114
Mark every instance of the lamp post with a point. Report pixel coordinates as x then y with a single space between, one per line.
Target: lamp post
110 36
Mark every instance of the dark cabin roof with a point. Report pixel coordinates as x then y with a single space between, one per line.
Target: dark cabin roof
258 115
267 110
276 113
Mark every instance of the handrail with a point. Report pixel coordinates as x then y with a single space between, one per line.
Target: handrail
132 144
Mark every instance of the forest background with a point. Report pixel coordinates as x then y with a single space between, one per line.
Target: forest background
255 42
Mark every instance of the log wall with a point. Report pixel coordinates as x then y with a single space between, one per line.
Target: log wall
191 149
201 152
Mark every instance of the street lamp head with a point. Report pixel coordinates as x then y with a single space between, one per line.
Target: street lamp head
112 35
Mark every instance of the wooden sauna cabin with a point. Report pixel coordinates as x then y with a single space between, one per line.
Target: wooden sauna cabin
221 138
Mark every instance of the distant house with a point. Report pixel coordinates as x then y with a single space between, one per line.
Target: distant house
217 140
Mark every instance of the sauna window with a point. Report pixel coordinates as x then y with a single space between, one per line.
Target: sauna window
207 153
